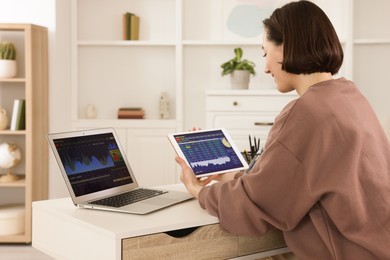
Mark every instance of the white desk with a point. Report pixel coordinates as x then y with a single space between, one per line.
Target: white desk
65 232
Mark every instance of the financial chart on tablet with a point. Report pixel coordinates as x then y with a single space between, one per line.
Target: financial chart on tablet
209 151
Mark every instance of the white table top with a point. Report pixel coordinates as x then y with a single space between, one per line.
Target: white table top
121 225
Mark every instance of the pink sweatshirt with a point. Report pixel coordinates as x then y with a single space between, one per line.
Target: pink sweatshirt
323 179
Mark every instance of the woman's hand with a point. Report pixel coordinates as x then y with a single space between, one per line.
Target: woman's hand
193 184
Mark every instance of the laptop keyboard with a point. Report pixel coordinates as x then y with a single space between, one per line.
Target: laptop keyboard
129 197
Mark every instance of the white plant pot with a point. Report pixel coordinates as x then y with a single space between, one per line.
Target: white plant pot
7 68
240 79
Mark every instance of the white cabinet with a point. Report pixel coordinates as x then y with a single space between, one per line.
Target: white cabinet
245 112
147 148
151 156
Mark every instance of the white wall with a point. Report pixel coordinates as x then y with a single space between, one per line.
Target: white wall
59 98
370 63
43 12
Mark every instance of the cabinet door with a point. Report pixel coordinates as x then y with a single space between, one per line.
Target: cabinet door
151 156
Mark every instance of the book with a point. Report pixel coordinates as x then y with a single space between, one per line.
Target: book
130 23
134 27
18 120
127 25
130 117
130 108
130 113
124 27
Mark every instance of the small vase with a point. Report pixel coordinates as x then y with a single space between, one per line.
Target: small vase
240 79
3 119
90 112
7 68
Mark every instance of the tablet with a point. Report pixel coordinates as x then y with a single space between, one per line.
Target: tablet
208 152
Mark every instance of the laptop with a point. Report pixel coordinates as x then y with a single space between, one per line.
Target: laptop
98 175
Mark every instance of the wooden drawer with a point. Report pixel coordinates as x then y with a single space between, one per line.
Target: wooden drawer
207 242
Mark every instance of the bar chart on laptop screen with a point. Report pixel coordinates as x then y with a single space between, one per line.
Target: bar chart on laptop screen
208 152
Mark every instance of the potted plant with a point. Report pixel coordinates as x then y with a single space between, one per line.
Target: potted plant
239 70
7 60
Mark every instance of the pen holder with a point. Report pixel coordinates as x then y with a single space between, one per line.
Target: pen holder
251 160
247 156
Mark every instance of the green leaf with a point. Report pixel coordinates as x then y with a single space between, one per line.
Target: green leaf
238 52
237 64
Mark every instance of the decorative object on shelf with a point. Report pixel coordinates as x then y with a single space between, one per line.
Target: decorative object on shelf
7 60
164 106
18 120
12 219
131 113
243 19
130 26
3 118
10 157
239 70
90 112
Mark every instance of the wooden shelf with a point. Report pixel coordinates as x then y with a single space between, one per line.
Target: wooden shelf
13 80
33 87
19 183
12 132
19 238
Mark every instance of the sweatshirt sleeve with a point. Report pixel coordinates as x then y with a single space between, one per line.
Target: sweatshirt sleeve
266 196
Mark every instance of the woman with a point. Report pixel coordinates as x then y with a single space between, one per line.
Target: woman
324 176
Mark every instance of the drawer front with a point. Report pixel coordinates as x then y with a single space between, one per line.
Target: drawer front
241 126
238 121
247 103
207 242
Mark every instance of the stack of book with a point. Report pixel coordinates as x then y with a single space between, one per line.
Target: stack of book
18 120
131 113
130 26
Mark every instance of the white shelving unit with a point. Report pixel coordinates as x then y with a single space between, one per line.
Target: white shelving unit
371 52
182 45
109 73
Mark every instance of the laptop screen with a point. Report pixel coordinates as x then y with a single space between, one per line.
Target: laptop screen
92 163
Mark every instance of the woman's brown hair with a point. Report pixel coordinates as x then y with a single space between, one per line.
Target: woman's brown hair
310 42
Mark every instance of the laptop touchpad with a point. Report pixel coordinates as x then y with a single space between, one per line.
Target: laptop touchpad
159 201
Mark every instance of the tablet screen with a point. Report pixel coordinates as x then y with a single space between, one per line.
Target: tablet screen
208 151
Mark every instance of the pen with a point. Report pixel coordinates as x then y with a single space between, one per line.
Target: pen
250 144
252 163
253 151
